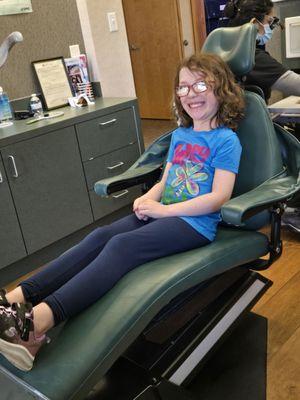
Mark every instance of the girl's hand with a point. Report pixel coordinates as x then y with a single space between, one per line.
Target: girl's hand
152 208
136 203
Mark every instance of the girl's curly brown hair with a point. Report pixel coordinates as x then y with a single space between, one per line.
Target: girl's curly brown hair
220 79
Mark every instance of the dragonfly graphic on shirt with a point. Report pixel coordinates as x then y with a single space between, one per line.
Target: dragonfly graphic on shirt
187 177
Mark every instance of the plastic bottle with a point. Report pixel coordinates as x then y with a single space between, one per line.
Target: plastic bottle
36 106
5 110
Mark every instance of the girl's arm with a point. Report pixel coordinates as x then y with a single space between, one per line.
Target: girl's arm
205 204
288 83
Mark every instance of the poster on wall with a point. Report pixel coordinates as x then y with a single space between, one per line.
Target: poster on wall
8 7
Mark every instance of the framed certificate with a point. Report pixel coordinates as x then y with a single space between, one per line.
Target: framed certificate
54 82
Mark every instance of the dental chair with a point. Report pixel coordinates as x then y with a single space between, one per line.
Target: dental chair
161 321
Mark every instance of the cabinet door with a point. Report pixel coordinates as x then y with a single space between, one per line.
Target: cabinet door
48 187
11 242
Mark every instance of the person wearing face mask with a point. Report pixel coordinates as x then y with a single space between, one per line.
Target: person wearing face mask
268 73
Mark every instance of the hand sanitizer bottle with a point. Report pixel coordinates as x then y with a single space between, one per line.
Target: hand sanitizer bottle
5 110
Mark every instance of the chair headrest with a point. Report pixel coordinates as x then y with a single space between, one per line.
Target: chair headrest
236 46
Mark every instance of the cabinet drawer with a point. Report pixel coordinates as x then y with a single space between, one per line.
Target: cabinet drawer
102 206
103 135
110 164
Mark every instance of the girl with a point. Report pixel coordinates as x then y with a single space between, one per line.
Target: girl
179 213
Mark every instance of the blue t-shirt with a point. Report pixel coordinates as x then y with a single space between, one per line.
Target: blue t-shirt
194 156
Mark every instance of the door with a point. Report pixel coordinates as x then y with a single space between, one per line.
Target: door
154 39
48 187
11 242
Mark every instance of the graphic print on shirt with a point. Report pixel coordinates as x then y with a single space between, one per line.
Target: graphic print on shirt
186 174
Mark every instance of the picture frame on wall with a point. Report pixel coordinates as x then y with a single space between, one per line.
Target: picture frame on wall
54 82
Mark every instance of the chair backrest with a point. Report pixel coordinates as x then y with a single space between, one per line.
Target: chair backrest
235 45
261 153
261 156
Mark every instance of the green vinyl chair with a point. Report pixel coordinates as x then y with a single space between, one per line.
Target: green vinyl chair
166 317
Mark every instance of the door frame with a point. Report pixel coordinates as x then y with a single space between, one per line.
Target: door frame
199 23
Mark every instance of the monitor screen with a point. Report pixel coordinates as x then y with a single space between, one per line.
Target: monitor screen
292 37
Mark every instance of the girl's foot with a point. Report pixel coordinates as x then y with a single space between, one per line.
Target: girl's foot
18 344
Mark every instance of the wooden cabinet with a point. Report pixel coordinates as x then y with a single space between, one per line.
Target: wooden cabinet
11 242
49 170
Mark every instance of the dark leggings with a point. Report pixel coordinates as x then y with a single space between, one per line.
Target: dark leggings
83 274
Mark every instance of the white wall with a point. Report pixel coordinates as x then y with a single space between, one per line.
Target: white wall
107 52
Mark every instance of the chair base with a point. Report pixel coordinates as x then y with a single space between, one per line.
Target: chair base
236 370
154 369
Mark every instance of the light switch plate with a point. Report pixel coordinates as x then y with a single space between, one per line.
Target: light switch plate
74 50
112 22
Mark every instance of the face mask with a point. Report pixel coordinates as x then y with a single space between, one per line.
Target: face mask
263 39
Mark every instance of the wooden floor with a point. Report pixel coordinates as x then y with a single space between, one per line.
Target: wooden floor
280 305
153 128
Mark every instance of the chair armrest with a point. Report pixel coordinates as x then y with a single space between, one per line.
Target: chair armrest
131 177
147 169
275 190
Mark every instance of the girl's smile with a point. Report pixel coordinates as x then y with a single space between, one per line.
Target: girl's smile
196 105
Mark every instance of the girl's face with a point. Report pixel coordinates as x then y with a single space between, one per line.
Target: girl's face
201 107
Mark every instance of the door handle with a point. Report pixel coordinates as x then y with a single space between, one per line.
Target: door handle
15 171
133 47
1 178
119 164
110 122
116 196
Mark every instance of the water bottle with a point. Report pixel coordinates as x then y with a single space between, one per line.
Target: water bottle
5 110
36 106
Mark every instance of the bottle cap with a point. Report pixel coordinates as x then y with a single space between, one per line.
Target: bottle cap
33 95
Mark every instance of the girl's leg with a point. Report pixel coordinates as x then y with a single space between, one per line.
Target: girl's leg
16 296
43 319
70 263
122 253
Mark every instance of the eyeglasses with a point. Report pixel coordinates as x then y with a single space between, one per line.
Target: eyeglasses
184 90
275 22
272 21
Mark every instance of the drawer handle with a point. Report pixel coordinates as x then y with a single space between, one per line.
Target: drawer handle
116 166
110 122
1 178
15 174
116 196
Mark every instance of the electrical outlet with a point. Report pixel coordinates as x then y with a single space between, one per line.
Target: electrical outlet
112 22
